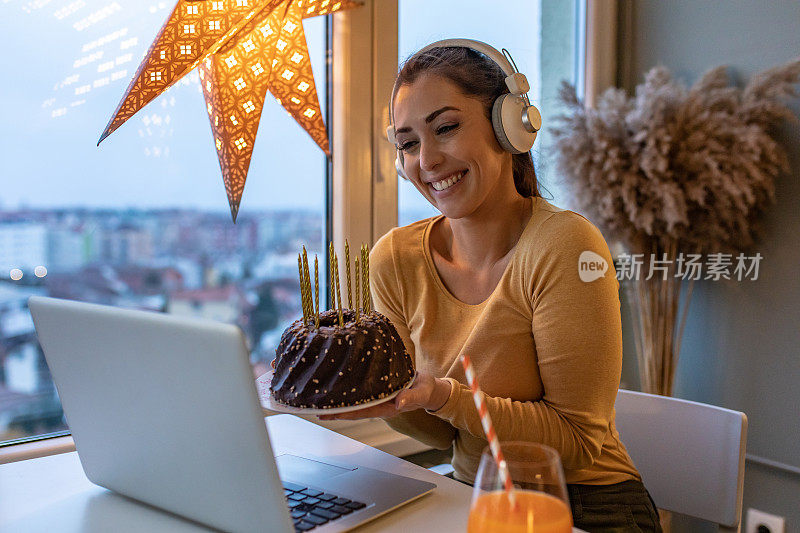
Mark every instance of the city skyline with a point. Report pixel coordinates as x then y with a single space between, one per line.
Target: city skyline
184 262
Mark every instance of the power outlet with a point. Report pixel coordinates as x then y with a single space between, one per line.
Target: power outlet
756 518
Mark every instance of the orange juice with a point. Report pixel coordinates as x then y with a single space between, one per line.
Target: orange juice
535 512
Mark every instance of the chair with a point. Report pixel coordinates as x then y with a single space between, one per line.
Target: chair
690 455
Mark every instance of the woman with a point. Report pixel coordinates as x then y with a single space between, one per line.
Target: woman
496 276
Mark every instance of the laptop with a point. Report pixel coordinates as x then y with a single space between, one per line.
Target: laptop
164 409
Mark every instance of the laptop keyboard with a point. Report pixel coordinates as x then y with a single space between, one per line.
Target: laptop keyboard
311 508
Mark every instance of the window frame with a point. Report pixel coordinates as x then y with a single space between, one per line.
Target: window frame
364 178
597 38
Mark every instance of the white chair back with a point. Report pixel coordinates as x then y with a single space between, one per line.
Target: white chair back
690 455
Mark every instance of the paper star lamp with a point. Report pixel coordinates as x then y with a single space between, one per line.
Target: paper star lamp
243 49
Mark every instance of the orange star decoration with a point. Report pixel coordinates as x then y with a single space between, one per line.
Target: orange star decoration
243 48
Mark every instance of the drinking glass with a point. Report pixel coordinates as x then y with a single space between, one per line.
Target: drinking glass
539 501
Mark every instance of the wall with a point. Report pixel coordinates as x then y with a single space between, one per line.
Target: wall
741 348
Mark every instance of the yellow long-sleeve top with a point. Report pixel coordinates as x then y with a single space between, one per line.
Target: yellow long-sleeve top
546 346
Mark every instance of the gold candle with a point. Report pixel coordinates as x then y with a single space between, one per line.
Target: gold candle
331 281
307 281
316 292
358 307
364 282
368 296
302 286
338 290
347 268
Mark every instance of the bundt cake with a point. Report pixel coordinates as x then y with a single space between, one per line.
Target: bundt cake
340 357
331 366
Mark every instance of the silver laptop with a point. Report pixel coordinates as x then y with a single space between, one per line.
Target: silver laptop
163 409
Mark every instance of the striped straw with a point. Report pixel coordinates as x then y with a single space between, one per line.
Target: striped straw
488 428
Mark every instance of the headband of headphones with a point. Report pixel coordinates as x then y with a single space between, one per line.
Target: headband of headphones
517 83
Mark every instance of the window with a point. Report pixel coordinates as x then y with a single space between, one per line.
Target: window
526 29
143 220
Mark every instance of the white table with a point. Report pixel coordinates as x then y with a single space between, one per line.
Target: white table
52 493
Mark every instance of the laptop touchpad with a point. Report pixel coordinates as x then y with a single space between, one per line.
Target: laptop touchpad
291 467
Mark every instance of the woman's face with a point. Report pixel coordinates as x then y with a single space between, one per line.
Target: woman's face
450 152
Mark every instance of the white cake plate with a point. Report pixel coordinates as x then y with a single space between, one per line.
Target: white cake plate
268 403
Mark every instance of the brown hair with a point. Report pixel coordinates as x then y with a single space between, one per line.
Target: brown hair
479 77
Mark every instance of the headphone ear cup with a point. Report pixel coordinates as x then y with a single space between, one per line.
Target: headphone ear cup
398 165
507 123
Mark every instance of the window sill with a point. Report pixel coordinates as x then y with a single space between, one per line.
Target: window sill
32 450
373 433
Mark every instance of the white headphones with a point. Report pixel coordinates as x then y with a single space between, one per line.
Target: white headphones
514 120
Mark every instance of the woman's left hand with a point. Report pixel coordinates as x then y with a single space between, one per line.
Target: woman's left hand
427 392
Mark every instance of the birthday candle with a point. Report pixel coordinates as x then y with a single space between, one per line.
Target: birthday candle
364 281
307 282
302 286
331 281
316 292
369 292
338 290
347 267
358 284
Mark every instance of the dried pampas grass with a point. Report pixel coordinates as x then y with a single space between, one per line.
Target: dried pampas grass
675 170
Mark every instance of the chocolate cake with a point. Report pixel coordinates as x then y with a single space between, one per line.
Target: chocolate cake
344 360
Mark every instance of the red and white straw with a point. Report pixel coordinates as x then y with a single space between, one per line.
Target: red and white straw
488 428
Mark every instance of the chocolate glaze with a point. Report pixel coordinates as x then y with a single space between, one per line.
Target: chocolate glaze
334 366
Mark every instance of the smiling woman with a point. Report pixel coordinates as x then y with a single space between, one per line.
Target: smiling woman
496 276
445 138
